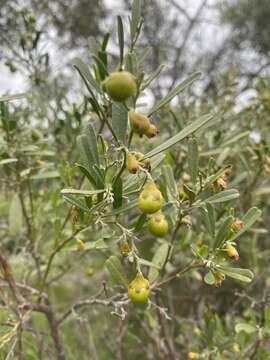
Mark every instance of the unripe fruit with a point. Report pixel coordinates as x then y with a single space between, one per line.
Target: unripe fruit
158 225
132 163
139 122
139 289
231 251
120 85
152 131
150 199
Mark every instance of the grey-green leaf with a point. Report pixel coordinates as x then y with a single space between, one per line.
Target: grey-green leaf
179 88
188 130
193 159
113 264
243 275
119 120
159 259
15 216
83 70
223 196
135 18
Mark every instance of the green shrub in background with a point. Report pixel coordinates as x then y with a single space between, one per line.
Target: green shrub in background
149 243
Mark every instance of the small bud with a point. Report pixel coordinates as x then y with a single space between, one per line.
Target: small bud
237 225
147 164
193 355
182 156
124 248
221 184
236 349
185 177
231 251
80 245
219 278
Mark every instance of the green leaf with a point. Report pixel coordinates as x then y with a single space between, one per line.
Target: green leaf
223 196
249 219
245 327
44 175
73 200
15 216
171 187
188 130
135 18
179 88
244 275
209 278
113 264
8 161
159 259
153 76
117 192
92 142
86 75
193 159
236 138
119 120
212 218
120 39
81 192
139 224
223 232
13 97
148 263
124 208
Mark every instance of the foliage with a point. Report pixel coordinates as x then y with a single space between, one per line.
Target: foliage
76 245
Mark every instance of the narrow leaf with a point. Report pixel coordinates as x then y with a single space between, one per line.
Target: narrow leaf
159 259
135 18
193 158
120 39
13 97
179 88
119 120
83 70
188 130
244 275
15 216
113 264
223 196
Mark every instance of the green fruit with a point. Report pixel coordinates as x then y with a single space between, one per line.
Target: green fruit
139 289
132 163
139 122
158 225
150 199
152 131
120 85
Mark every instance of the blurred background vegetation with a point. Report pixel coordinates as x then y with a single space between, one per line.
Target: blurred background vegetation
228 40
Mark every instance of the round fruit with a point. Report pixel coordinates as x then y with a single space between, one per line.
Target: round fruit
139 122
158 225
132 163
150 199
152 131
139 289
120 85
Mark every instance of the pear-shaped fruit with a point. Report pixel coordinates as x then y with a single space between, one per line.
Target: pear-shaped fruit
139 122
150 199
152 131
158 225
132 163
120 85
139 289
